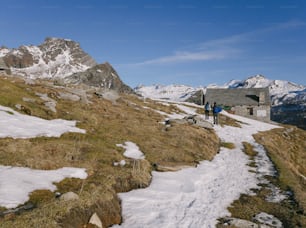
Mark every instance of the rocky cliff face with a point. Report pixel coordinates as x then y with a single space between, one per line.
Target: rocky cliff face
102 75
55 57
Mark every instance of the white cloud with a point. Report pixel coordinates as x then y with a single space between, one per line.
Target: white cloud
223 48
189 56
185 56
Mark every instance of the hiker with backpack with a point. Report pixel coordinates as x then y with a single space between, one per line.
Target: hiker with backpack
216 111
207 109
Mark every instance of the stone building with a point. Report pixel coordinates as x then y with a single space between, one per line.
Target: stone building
4 68
249 102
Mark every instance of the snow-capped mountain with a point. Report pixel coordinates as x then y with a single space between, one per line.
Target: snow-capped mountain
281 91
288 99
62 60
169 92
55 57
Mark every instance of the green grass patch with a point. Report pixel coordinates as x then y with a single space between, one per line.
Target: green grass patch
228 145
41 196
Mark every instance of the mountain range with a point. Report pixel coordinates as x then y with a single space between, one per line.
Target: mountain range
60 128
288 99
64 60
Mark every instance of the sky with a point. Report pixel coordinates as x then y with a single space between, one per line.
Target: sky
195 42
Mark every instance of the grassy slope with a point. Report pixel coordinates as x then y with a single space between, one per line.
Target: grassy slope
107 124
286 148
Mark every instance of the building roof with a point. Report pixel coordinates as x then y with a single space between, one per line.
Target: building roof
238 96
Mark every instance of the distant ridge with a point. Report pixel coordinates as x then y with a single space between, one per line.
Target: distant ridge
288 99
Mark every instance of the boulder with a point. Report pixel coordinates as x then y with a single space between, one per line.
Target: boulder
240 223
95 220
69 196
268 220
199 121
69 96
111 95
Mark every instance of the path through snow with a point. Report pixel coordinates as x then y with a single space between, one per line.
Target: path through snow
197 197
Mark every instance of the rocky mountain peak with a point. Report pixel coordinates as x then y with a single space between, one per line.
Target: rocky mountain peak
55 57
101 75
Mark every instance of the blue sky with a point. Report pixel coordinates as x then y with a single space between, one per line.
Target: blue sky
171 41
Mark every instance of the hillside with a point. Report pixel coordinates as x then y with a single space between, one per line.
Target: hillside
74 138
110 135
107 123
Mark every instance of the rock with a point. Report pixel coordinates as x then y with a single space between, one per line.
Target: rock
268 219
197 120
29 81
23 109
205 124
95 220
111 95
101 76
69 196
49 102
69 96
178 121
121 163
59 81
163 168
240 223
26 99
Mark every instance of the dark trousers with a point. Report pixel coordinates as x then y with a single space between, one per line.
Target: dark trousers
206 114
216 118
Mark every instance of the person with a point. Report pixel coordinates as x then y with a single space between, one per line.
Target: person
215 113
207 109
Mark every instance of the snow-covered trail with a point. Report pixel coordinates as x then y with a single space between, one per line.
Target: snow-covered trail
197 197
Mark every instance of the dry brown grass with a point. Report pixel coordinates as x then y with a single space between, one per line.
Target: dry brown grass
107 124
281 144
249 150
225 120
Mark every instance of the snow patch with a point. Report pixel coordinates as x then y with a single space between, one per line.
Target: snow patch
131 150
16 125
18 182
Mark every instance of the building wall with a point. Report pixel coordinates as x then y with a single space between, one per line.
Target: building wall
260 112
5 71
